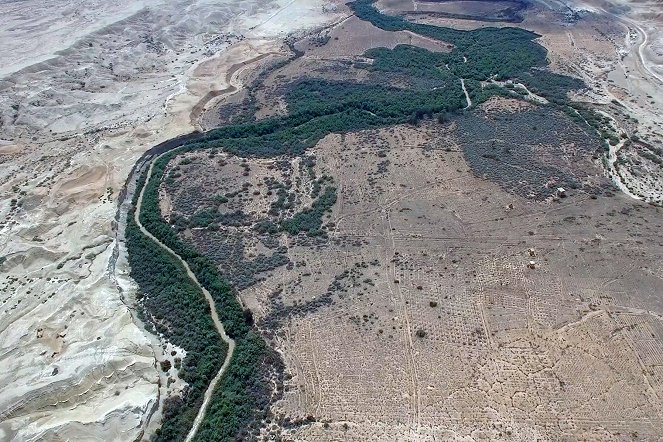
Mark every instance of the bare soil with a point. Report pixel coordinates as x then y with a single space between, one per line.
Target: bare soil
444 302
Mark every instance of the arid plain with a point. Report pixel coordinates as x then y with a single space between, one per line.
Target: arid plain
456 292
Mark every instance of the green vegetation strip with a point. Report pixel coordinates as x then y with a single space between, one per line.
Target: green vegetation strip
478 54
182 315
316 108
177 309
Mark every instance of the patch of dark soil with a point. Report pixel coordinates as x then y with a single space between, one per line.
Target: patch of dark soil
531 153
339 288
227 251
508 14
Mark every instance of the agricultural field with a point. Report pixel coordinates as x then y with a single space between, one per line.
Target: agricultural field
467 270
436 301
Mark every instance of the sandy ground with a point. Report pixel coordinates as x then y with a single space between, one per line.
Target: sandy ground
541 319
85 88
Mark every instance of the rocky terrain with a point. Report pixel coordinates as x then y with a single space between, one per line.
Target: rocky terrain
85 88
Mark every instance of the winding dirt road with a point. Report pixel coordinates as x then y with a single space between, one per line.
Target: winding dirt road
215 317
643 42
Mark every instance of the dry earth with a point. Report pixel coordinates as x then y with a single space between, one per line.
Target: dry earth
451 301
419 319
85 88
615 47
446 306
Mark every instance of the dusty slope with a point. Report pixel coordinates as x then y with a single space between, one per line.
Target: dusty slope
109 82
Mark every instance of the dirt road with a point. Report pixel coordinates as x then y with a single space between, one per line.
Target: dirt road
210 301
